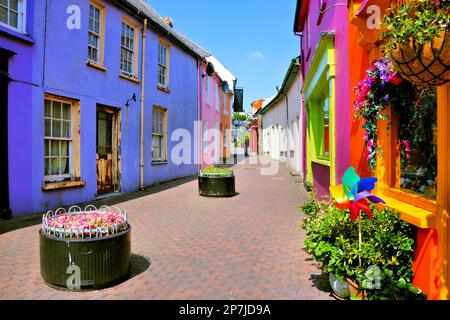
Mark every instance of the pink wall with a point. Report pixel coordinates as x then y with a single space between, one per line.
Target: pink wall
334 19
210 115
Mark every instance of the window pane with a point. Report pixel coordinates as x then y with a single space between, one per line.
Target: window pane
48 108
66 129
417 133
54 145
48 131
64 148
13 19
3 15
47 170
46 148
56 126
65 166
54 166
66 111
4 2
56 110
14 4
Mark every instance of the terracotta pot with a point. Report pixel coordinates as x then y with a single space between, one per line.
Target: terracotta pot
425 65
355 289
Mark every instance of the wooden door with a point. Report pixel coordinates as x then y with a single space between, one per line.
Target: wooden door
104 152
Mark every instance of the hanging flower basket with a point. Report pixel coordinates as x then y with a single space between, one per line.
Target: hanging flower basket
417 40
424 64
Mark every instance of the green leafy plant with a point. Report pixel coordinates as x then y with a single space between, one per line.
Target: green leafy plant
216 172
332 239
418 21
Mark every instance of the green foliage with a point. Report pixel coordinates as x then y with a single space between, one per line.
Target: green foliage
216 171
418 21
387 242
240 117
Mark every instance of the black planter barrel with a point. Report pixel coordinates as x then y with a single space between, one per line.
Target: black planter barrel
102 262
213 186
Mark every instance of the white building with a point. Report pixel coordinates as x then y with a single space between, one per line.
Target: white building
282 122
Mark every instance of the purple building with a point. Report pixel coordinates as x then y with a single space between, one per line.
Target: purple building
88 112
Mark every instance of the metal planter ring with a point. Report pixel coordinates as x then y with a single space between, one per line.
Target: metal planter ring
216 186
93 253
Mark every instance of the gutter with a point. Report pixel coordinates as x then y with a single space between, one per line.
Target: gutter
144 40
158 27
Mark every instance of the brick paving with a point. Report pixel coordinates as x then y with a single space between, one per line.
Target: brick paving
190 247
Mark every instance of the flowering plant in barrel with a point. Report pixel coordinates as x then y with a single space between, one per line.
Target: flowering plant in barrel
216 182
96 242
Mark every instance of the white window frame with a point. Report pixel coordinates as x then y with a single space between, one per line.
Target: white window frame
100 35
132 50
161 46
66 176
21 17
163 135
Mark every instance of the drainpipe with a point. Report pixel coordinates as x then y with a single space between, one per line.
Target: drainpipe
200 115
144 38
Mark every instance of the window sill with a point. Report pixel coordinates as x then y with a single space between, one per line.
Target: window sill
414 215
96 65
50 186
159 163
129 78
9 32
322 162
166 90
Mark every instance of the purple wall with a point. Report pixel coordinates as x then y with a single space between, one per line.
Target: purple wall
321 179
56 64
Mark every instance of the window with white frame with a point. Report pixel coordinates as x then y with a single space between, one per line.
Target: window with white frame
163 65
13 14
127 52
159 135
57 140
95 42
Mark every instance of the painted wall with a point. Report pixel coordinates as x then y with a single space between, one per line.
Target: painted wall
282 129
335 18
211 118
59 67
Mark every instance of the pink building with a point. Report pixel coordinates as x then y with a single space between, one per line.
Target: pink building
216 86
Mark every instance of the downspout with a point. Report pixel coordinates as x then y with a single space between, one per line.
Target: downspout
144 38
200 115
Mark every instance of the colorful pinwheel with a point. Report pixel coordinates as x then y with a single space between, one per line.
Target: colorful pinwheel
353 194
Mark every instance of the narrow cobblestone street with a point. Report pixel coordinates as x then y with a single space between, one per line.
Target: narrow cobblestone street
190 247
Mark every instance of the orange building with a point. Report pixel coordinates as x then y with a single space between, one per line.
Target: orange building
428 214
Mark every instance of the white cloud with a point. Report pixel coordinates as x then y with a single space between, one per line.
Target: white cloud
257 55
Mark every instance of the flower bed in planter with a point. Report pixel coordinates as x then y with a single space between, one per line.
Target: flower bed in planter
216 182
97 241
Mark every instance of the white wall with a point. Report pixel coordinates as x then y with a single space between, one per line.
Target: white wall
282 129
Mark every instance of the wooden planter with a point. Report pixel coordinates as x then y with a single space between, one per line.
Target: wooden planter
103 262
425 65
214 186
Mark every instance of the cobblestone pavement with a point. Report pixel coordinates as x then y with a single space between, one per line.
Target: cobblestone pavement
190 247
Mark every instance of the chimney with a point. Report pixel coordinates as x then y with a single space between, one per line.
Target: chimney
169 21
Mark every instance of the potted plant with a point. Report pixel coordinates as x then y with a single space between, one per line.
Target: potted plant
93 244
418 40
216 182
354 253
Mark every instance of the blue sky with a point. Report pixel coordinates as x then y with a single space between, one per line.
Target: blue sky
252 38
